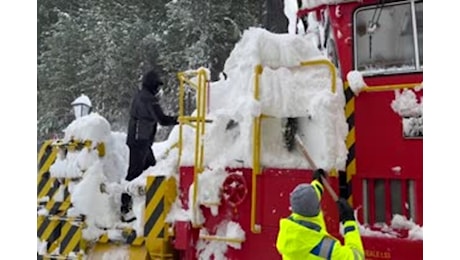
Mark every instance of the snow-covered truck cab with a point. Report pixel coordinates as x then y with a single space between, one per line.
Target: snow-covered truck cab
378 48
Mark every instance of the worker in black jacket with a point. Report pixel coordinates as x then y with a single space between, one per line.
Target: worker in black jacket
145 114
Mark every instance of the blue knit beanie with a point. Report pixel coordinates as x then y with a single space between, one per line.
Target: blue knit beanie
304 200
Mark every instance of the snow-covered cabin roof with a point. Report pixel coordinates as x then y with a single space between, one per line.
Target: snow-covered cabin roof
310 4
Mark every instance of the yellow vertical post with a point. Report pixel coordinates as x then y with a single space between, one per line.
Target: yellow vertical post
256 153
181 112
196 169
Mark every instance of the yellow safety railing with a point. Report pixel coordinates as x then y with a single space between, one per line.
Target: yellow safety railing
223 239
198 122
255 228
391 87
329 65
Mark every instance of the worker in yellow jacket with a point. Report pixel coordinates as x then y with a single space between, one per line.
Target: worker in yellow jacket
303 234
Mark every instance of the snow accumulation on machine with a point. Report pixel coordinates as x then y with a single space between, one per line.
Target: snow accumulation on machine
346 79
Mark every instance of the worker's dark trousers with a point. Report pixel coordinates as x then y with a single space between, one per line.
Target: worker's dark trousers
140 158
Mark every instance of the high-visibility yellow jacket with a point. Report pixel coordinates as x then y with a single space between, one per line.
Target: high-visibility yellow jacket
302 237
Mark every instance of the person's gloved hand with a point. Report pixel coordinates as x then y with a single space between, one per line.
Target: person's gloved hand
317 175
345 210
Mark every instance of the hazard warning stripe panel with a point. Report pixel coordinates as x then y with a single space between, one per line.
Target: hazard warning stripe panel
44 152
47 227
346 177
42 182
49 230
154 210
46 158
70 238
66 203
129 235
54 206
46 161
132 238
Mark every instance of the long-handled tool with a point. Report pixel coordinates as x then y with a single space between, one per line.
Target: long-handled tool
326 184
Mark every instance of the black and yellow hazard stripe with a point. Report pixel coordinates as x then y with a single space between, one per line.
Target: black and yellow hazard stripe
46 157
345 177
128 234
60 232
132 238
66 203
53 206
154 207
48 229
44 154
71 237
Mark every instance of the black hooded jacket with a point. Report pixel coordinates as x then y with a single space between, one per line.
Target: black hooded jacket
146 112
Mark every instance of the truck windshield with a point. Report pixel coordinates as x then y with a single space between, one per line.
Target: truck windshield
388 38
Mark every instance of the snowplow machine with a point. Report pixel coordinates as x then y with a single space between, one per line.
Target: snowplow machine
350 87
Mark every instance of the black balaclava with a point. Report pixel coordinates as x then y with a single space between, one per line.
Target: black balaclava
151 82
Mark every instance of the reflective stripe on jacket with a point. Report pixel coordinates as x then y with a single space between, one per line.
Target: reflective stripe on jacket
302 237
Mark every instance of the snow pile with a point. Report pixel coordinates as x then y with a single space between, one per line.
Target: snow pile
356 81
401 222
41 247
398 223
89 167
99 208
286 90
117 253
73 163
410 109
208 194
406 104
91 127
212 180
216 249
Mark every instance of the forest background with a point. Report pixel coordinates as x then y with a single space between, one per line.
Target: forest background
102 48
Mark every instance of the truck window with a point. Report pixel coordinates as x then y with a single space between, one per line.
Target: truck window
399 193
388 38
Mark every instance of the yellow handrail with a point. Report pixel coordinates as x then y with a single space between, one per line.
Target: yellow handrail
223 239
256 152
257 132
391 87
180 77
199 119
331 67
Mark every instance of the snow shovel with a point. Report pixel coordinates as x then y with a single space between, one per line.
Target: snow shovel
326 184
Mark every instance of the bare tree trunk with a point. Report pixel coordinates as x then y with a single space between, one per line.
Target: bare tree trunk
275 20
